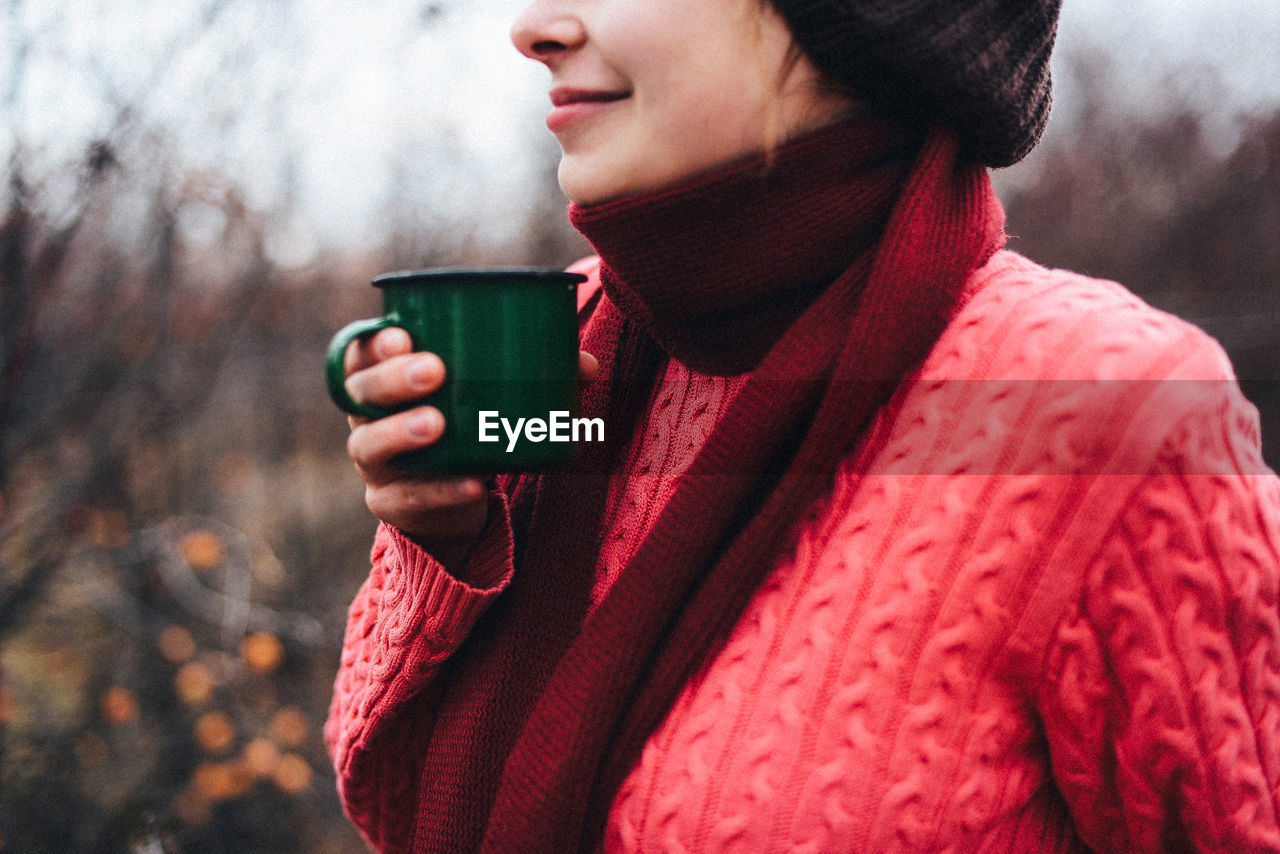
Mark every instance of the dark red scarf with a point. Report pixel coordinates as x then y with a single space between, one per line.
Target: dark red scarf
829 273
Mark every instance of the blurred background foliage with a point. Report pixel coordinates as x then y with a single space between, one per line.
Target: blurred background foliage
180 529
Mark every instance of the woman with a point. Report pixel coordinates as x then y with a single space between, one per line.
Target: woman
899 543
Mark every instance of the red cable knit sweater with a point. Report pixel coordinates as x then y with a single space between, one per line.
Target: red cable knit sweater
1039 611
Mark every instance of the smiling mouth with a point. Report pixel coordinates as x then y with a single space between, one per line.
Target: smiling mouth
570 106
565 96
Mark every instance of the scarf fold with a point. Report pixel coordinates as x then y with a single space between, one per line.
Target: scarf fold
829 274
715 268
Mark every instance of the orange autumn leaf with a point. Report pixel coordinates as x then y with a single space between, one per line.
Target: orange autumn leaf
119 705
203 550
261 757
214 732
262 651
293 774
220 781
194 683
176 644
289 727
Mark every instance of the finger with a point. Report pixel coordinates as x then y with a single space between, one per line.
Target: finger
398 380
406 501
382 345
372 445
588 366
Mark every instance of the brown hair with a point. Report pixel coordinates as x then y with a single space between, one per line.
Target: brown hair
825 86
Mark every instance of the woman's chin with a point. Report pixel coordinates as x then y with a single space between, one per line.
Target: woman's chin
584 184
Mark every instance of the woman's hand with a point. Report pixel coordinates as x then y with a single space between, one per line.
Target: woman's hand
445 516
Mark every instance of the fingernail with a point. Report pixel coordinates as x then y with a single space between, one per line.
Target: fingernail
426 423
424 372
468 488
390 342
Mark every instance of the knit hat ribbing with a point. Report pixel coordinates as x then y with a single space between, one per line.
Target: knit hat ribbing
981 66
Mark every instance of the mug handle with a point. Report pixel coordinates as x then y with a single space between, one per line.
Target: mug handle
335 372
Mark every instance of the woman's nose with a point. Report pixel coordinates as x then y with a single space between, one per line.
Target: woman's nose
546 30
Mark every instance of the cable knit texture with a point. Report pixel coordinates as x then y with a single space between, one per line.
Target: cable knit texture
548 705
1037 612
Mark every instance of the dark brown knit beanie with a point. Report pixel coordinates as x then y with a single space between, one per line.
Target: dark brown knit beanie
981 66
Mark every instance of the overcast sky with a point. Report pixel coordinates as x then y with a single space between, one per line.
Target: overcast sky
374 99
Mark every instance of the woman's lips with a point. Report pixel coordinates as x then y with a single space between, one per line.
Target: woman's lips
570 105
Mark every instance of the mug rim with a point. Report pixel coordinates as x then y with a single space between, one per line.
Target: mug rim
435 275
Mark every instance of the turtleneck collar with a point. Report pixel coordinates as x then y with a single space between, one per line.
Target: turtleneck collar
717 266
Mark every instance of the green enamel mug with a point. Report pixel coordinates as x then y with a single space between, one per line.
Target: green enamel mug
509 342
